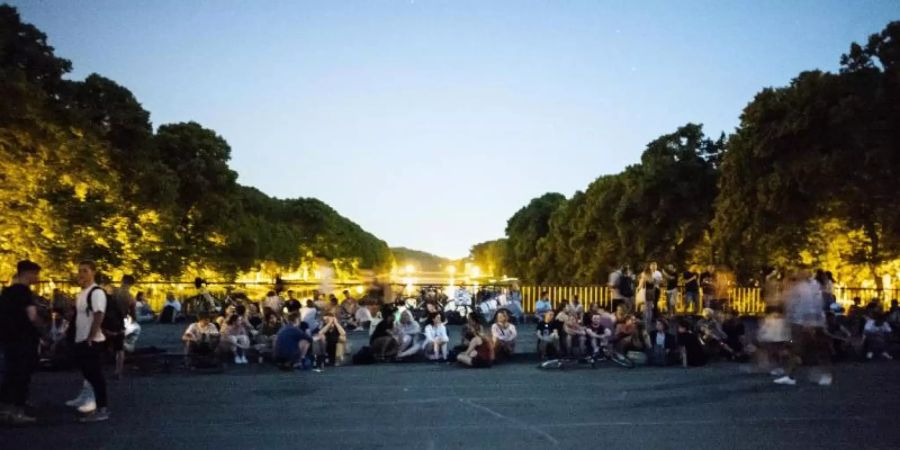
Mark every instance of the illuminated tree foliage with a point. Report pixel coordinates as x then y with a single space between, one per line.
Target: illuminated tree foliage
817 163
489 256
83 175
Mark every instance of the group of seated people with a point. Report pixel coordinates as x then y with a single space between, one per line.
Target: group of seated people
291 333
567 332
863 332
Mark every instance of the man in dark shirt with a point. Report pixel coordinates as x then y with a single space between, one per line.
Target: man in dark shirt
292 343
692 353
691 291
19 335
548 335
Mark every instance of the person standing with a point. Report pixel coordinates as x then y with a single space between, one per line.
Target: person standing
19 335
121 305
90 305
671 277
691 291
806 316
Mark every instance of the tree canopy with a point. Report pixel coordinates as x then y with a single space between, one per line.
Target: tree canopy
84 175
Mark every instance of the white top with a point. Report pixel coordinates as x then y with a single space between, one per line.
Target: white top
871 327
363 314
434 332
504 334
657 277
194 331
274 303
84 318
174 304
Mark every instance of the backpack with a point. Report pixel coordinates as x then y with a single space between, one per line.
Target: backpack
626 286
113 317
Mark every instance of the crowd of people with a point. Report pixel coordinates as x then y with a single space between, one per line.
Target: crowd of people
804 326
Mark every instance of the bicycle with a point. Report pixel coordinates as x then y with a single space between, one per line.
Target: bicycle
606 353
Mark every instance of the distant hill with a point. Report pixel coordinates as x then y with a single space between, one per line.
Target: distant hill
423 261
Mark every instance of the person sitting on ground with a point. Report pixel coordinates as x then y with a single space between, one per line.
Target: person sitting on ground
382 341
663 348
331 340
142 309
877 332
253 317
547 333
838 335
596 334
237 338
171 311
893 318
504 335
480 352
265 339
229 311
348 306
574 335
436 339
542 306
626 332
309 314
431 308
735 332
292 344
633 338
364 314
712 335
689 346
200 339
407 331
273 303
292 304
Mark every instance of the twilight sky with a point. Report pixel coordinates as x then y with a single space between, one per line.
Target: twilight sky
430 123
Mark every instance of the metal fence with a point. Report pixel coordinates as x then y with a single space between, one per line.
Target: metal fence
744 300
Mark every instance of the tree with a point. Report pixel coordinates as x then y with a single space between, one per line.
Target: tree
820 155
525 229
489 256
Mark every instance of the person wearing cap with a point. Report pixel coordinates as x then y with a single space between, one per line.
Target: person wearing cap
19 334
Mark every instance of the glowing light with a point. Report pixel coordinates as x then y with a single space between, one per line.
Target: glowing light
475 272
359 290
451 270
409 269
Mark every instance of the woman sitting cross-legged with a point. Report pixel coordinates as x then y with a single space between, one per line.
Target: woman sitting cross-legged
436 339
407 331
237 338
200 341
504 335
480 352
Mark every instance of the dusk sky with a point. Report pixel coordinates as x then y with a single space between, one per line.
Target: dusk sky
430 123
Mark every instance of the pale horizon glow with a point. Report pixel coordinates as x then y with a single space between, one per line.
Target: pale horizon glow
430 123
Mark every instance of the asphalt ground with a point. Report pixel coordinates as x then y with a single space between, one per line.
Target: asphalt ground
513 405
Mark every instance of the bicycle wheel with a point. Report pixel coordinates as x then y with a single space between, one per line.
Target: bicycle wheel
621 360
551 364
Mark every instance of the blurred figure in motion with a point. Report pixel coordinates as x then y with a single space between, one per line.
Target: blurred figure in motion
805 313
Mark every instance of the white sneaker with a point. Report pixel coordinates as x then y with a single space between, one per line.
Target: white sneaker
869 355
82 396
786 380
237 359
244 360
887 356
777 372
825 380
88 407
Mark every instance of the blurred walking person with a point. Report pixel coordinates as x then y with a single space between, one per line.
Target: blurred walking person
806 315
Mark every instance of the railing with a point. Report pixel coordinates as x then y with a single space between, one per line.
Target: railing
745 300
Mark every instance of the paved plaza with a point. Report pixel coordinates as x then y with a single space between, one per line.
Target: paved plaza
512 405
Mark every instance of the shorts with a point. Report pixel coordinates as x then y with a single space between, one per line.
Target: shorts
116 342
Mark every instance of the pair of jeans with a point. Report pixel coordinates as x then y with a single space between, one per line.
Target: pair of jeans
90 360
21 359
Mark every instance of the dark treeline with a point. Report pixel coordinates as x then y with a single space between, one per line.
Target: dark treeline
811 176
85 175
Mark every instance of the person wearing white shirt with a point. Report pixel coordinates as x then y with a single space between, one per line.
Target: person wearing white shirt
274 303
436 339
504 334
90 306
